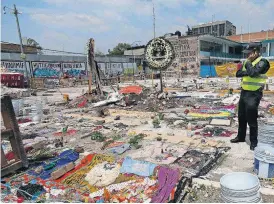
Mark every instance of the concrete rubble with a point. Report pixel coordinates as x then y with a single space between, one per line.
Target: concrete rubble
136 145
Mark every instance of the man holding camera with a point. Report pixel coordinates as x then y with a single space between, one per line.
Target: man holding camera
253 72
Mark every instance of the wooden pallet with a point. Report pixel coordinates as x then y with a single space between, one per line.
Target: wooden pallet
11 133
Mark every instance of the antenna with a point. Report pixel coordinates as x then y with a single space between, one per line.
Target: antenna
153 18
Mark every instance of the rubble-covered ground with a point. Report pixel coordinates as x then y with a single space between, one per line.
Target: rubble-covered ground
122 147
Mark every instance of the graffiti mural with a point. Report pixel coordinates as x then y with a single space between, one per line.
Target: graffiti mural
113 68
74 69
186 56
15 66
102 66
46 69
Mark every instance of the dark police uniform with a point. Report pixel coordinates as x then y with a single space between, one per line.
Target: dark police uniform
253 82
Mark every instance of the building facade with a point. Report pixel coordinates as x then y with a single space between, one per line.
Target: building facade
252 37
217 28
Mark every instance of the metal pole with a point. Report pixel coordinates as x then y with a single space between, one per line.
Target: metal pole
21 44
132 65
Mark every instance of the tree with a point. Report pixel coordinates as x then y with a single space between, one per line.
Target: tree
99 53
32 42
229 33
119 49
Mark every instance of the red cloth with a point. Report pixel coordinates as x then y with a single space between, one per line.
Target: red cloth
83 103
131 89
239 66
69 132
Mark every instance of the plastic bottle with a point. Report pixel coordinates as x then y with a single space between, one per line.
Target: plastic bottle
189 129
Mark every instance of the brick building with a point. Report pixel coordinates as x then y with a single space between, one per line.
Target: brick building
15 48
252 37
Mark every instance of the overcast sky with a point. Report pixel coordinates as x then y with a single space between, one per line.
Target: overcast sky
68 24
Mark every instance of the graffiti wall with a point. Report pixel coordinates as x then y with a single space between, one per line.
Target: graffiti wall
16 66
186 56
46 69
102 66
113 68
74 69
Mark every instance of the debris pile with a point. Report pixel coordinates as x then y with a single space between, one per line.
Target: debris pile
134 145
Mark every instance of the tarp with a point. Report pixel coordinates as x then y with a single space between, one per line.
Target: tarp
270 72
207 70
230 69
131 89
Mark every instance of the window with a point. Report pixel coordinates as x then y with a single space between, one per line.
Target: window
206 30
195 31
202 30
222 29
264 50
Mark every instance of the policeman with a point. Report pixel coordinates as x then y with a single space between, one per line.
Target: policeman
253 76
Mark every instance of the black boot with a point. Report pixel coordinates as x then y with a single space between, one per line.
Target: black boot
237 140
252 147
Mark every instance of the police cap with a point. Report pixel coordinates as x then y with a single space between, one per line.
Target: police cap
252 47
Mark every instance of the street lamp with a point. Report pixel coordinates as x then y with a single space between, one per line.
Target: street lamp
23 56
133 56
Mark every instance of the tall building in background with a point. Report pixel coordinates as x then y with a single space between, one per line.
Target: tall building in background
217 28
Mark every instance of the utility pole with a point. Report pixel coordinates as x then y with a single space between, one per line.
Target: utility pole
154 31
154 35
133 55
23 56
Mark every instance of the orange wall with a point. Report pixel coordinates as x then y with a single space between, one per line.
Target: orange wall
258 36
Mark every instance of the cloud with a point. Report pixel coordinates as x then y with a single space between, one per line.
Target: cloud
240 13
71 20
112 21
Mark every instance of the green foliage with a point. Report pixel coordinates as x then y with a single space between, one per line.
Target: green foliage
156 122
119 49
161 116
99 53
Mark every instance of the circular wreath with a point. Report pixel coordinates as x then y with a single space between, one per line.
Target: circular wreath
159 53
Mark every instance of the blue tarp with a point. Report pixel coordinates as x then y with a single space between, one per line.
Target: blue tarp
207 70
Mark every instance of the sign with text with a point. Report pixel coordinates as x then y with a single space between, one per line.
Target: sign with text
15 66
46 69
74 69
186 55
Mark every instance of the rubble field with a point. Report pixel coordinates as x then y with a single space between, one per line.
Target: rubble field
134 144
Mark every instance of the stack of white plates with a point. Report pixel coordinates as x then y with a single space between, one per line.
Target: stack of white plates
266 134
240 187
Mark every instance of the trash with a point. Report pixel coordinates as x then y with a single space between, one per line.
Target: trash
222 122
117 117
189 129
178 122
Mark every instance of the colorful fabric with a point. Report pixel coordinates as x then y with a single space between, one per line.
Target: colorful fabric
84 162
120 149
103 174
53 164
77 179
167 180
140 168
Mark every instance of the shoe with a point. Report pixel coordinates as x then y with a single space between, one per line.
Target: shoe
252 147
236 140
